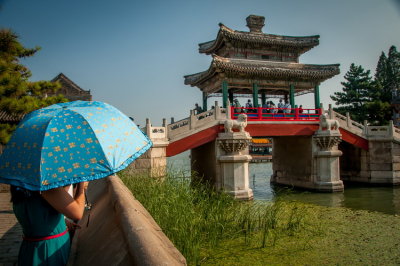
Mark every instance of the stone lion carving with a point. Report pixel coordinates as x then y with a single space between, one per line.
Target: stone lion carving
327 124
240 123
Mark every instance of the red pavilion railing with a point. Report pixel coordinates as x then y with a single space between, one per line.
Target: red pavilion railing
273 114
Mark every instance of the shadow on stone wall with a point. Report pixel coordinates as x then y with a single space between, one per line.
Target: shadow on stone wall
120 231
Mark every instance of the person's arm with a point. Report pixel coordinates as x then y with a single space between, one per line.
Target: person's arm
60 200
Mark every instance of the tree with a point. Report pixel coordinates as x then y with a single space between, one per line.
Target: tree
356 93
393 69
387 73
367 99
381 78
19 96
387 84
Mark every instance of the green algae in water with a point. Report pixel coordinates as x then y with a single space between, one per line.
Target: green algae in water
338 236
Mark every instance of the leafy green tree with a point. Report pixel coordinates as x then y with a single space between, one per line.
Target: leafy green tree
18 95
357 92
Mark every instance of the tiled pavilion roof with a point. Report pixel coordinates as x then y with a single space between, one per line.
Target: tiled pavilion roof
255 61
262 70
290 43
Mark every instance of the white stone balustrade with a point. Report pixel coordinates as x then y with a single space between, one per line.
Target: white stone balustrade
195 123
366 131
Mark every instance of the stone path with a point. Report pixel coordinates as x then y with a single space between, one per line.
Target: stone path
10 232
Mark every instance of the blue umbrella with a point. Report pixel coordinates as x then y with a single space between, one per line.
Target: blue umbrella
68 143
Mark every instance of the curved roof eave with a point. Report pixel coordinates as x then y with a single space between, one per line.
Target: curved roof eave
264 69
302 43
198 78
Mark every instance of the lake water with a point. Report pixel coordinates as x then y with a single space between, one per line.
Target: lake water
362 197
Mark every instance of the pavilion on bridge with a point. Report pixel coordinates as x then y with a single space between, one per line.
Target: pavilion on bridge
259 64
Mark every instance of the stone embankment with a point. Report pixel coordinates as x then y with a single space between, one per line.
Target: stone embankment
118 230
10 230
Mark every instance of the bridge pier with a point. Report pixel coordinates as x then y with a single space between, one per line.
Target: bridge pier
292 161
203 162
310 162
383 162
154 161
326 156
225 164
379 164
234 164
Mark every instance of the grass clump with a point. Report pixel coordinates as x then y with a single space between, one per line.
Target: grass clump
197 218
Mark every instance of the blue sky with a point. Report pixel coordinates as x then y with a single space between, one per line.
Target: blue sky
133 54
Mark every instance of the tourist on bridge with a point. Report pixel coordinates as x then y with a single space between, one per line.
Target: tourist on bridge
301 109
238 107
249 106
198 109
273 107
280 106
287 107
266 107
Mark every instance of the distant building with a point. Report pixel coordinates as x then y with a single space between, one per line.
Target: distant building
7 118
70 90
260 150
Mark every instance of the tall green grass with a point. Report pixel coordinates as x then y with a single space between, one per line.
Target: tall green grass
197 218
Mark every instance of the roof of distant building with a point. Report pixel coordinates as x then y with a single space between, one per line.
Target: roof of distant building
71 90
7 118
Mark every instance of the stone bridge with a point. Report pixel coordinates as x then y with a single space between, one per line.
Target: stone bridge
304 153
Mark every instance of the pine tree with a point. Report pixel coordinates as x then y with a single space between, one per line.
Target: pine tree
18 95
381 79
367 99
387 84
393 69
381 69
356 93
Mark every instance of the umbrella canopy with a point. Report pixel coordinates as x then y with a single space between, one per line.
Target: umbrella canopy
68 143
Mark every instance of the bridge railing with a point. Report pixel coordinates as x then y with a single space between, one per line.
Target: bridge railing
347 123
196 121
379 132
271 114
366 131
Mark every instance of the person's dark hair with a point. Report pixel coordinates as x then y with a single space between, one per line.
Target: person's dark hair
19 194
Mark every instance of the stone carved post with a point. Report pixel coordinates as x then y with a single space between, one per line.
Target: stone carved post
326 156
234 159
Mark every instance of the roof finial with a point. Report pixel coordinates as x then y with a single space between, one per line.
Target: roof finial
255 23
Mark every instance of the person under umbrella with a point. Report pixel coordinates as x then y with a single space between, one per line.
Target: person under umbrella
53 148
41 216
